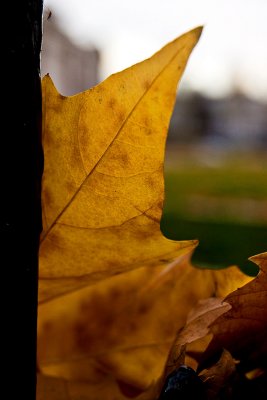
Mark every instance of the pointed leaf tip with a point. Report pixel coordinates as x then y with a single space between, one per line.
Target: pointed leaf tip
198 30
258 258
47 82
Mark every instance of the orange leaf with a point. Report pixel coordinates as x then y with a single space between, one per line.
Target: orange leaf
243 329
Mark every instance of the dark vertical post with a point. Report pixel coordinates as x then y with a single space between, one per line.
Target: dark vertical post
21 163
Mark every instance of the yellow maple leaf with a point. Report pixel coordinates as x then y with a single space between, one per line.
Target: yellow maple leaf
113 291
103 173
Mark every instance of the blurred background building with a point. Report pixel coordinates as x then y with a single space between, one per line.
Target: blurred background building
233 122
72 68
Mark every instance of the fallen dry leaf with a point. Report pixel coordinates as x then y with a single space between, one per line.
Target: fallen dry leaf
200 318
218 379
243 329
195 336
113 291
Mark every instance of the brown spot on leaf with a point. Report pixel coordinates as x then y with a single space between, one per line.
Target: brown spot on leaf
146 84
150 182
121 115
57 106
143 308
70 186
94 324
111 103
123 158
55 241
160 204
47 198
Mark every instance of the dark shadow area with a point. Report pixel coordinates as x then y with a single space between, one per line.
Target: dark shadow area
220 245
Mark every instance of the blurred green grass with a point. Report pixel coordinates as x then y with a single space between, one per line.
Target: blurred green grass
222 204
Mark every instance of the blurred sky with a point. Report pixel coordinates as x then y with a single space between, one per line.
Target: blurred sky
231 54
